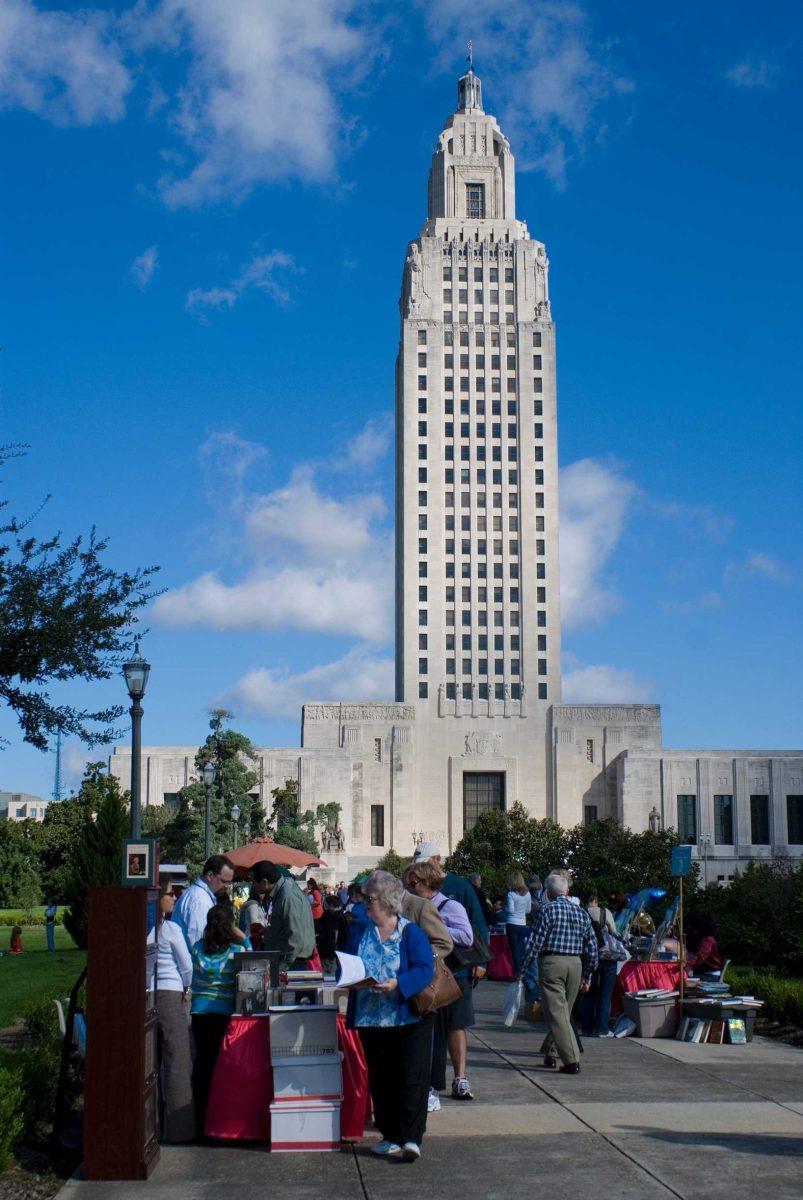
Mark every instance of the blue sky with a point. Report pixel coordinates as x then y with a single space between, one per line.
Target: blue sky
205 215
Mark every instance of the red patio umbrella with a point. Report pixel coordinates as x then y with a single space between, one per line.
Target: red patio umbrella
265 850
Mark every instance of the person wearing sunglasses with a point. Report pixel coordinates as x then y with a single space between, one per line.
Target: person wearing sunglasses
398 1043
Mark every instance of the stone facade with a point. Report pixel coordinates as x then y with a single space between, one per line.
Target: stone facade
477 720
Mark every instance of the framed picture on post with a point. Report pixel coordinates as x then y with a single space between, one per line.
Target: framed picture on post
140 862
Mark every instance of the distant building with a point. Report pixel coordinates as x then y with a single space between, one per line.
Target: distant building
22 806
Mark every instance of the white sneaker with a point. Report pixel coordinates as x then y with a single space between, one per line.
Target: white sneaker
433 1102
461 1089
385 1147
608 1034
410 1151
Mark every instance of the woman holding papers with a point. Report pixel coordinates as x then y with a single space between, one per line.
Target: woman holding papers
398 964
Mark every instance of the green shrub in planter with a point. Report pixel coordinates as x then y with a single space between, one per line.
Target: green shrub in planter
12 1104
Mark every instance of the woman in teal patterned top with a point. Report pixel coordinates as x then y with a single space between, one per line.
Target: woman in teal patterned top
213 971
397 1042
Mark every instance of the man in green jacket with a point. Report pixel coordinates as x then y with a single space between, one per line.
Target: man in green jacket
290 930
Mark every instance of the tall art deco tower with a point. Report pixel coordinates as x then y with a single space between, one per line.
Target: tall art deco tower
477 594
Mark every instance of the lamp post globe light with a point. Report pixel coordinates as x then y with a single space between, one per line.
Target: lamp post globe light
235 818
136 672
209 778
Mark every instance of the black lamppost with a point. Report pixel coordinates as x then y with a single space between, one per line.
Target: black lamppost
209 778
235 818
136 673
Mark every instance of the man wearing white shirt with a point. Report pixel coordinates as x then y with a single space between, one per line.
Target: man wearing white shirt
193 905
173 979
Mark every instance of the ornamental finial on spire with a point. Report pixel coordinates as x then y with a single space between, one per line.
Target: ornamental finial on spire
469 86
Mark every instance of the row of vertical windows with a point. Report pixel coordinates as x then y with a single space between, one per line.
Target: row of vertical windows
485 690
493 274
724 820
479 337
480 403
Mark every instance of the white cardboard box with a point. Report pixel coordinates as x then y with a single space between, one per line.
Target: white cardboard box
304 1126
304 1030
300 1078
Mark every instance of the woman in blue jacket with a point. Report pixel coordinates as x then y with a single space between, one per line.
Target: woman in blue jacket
397 1042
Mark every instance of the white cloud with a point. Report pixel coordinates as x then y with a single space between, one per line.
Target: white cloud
143 267
359 675
307 599
604 685
758 563
550 78
371 444
318 564
594 499
64 66
259 273
753 72
227 458
260 98
705 602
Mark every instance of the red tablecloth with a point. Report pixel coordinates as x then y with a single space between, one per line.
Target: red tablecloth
242 1086
501 965
637 975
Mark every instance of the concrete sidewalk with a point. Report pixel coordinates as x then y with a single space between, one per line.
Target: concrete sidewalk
644 1120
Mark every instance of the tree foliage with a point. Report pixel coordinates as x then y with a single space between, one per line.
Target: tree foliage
289 825
394 863
65 614
600 856
97 855
758 917
19 874
181 833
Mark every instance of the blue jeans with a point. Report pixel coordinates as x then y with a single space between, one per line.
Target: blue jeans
532 989
50 934
517 936
595 1004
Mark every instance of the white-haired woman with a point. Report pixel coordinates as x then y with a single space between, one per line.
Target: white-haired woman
397 1042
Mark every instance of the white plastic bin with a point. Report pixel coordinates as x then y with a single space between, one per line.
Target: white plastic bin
297 1078
304 1126
304 1031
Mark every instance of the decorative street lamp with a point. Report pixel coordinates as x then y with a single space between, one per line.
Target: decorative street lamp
136 673
247 830
655 820
235 817
209 778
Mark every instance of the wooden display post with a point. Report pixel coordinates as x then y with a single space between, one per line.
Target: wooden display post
121 1092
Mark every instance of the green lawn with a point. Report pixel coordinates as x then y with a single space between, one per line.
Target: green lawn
36 972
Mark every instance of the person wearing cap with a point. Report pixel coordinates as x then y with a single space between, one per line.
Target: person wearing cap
450 1028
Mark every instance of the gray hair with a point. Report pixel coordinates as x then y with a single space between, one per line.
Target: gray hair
556 885
389 890
475 878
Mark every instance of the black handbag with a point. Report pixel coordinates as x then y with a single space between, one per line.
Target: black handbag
478 954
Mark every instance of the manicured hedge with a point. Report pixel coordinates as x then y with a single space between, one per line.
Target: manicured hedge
783 998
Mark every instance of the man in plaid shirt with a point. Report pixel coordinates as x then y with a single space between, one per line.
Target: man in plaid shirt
566 945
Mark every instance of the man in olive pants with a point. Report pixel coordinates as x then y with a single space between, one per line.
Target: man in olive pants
564 940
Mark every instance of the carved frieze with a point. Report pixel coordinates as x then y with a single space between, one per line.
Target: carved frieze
483 743
602 715
359 712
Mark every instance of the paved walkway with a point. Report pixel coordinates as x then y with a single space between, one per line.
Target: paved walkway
645 1120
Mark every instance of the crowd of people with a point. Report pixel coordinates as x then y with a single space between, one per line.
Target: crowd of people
429 930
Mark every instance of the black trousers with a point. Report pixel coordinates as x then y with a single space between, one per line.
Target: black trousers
208 1030
398 1073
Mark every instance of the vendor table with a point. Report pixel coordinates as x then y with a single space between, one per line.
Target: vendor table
637 975
501 965
242 1086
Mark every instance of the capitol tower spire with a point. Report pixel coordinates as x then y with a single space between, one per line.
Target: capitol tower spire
477 597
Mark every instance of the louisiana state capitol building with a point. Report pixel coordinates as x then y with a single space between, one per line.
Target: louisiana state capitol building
477 722
477 594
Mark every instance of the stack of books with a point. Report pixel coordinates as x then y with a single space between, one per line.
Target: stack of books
654 994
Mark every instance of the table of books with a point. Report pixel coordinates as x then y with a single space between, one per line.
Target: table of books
242 1086
636 976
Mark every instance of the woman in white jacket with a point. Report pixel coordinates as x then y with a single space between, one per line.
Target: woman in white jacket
518 906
